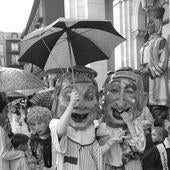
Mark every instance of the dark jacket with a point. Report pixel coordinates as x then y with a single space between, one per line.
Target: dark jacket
152 160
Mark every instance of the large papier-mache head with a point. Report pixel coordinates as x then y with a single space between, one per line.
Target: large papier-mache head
123 92
87 108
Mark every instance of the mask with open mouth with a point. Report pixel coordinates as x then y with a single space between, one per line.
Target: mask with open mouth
87 108
123 93
117 114
79 117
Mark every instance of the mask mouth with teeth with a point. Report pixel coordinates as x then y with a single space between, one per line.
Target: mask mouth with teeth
117 114
79 117
82 119
113 116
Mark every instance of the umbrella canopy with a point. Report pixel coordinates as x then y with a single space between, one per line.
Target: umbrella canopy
14 80
66 43
43 98
23 93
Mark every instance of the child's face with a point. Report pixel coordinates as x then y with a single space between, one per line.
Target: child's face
39 127
24 147
155 136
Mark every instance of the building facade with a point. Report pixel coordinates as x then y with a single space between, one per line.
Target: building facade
9 49
43 13
131 21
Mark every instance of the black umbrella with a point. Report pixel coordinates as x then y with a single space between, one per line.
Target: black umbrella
66 43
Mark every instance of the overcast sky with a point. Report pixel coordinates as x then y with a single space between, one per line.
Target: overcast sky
14 14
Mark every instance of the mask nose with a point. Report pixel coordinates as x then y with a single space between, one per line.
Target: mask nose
80 103
121 104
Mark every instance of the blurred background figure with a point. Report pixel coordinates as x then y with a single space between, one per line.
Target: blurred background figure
17 112
7 152
20 143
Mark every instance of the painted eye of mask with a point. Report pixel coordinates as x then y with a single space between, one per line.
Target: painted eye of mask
89 95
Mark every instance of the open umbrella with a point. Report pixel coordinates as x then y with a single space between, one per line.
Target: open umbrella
13 80
43 98
66 43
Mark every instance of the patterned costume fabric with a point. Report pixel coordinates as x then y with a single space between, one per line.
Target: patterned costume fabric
70 154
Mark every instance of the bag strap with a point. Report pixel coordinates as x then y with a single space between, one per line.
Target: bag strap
163 155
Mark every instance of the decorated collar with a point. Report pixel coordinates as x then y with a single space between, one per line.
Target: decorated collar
167 143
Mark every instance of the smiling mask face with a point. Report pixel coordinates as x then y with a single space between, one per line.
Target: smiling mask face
88 107
123 93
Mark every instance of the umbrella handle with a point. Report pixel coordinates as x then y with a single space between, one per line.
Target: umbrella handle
71 60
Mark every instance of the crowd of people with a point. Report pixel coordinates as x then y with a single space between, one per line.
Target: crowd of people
84 128
125 126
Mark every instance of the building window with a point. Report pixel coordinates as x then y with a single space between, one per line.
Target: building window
14 47
1 50
15 59
14 36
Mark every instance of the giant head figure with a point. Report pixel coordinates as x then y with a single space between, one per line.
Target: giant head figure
155 20
88 107
123 91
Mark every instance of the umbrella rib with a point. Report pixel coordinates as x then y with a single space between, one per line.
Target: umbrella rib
50 51
71 59
64 39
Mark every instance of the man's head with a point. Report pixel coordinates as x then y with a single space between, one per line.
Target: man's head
123 93
87 108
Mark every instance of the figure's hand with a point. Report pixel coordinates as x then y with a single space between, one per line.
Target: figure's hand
74 97
127 117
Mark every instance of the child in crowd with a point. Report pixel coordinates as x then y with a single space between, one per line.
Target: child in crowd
157 158
38 119
157 135
20 143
